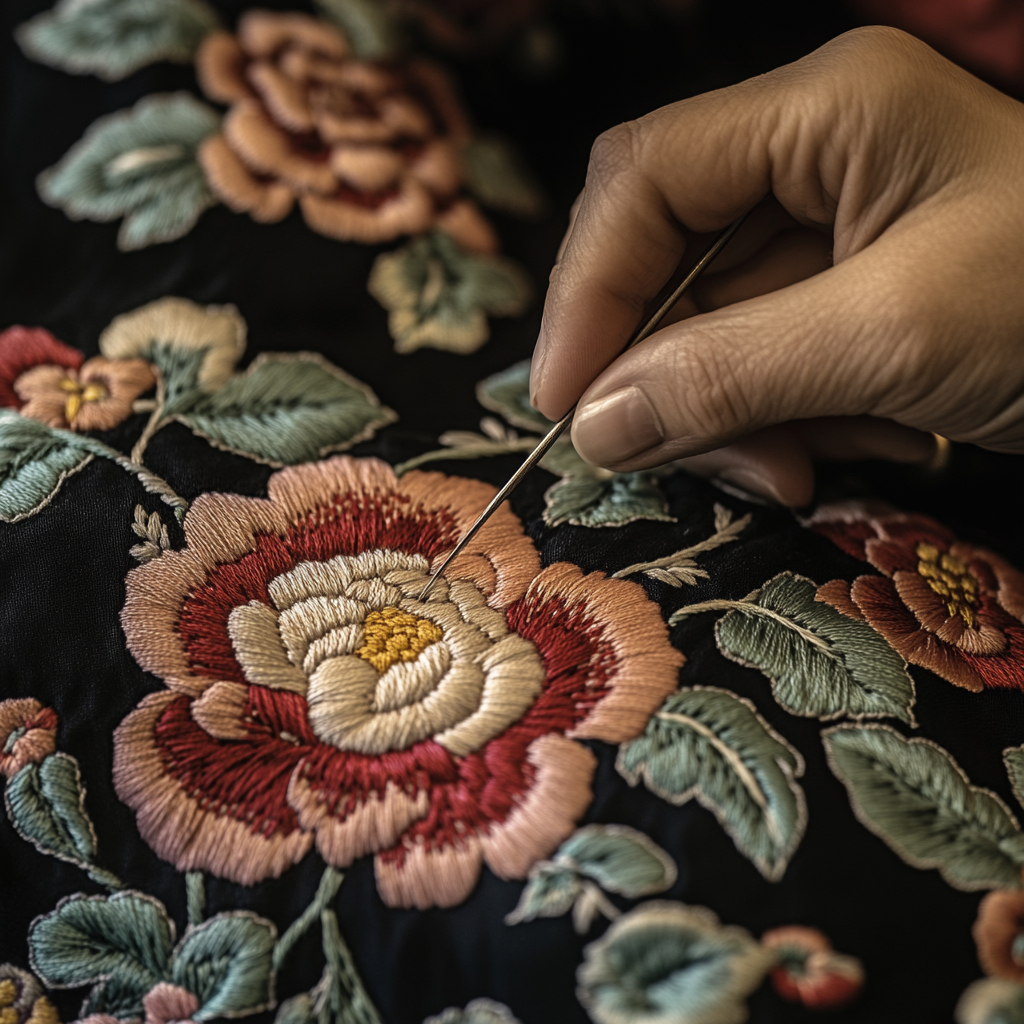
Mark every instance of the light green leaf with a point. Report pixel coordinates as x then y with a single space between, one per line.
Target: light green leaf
287 409
479 1011
139 164
34 462
991 1001
550 891
300 1009
126 938
821 663
1013 758
620 859
369 25
113 38
46 805
711 745
498 177
590 499
915 798
439 295
508 393
226 962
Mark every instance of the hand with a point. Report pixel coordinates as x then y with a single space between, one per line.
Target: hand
876 297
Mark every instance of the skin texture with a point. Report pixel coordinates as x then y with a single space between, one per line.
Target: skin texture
875 296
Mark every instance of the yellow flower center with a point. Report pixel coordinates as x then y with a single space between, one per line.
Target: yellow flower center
951 580
8 1015
8 994
392 635
77 394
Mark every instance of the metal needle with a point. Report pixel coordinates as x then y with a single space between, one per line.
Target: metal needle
558 429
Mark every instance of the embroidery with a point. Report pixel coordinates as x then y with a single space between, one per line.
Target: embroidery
709 744
915 798
439 294
585 495
612 857
943 604
139 165
809 971
991 1001
668 961
479 1011
27 734
821 663
282 410
275 732
999 934
114 38
155 538
21 998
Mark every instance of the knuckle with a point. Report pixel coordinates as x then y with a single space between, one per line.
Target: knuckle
613 154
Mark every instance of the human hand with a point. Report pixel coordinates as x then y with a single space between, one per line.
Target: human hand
876 298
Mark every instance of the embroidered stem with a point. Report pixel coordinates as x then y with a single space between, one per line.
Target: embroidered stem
150 481
349 1000
156 418
195 894
747 606
726 532
469 451
330 882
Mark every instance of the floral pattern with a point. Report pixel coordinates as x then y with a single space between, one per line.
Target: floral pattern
22 1000
810 971
27 734
439 734
942 603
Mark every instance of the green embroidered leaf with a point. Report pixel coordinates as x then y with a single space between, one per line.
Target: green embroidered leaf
125 938
46 805
915 798
991 1001
118 996
498 178
712 745
369 25
1013 758
479 1011
34 462
551 891
113 38
591 500
287 409
226 962
300 1009
139 164
821 663
439 295
621 859
508 393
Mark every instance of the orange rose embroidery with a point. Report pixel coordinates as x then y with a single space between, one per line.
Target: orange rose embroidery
312 697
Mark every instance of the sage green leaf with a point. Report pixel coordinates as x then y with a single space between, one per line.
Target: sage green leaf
226 963
508 393
113 38
821 663
34 462
592 499
139 164
499 179
1013 758
287 409
368 24
991 1001
550 891
123 941
46 805
915 798
620 859
711 745
439 295
300 1009
479 1011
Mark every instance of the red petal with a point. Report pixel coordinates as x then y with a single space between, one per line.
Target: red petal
21 348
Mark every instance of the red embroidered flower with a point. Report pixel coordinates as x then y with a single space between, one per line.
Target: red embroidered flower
371 151
313 697
21 349
27 734
810 971
999 934
943 604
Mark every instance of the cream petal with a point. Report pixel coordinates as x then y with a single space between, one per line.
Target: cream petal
513 678
333 577
375 593
337 643
340 700
407 682
310 620
257 644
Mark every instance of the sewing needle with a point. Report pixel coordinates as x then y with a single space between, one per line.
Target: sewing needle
559 428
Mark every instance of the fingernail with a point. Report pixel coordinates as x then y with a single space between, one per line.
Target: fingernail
748 480
617 427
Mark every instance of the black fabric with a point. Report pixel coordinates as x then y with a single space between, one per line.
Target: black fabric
62 571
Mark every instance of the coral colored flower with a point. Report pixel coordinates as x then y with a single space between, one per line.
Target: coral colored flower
999 934
943 604
164 1003
312 697
27 734
371 151
810 971
21 997
96 397
22 349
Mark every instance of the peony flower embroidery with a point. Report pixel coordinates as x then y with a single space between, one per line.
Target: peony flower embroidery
26 348
809 971
370 151
943 604
27 734
312 697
